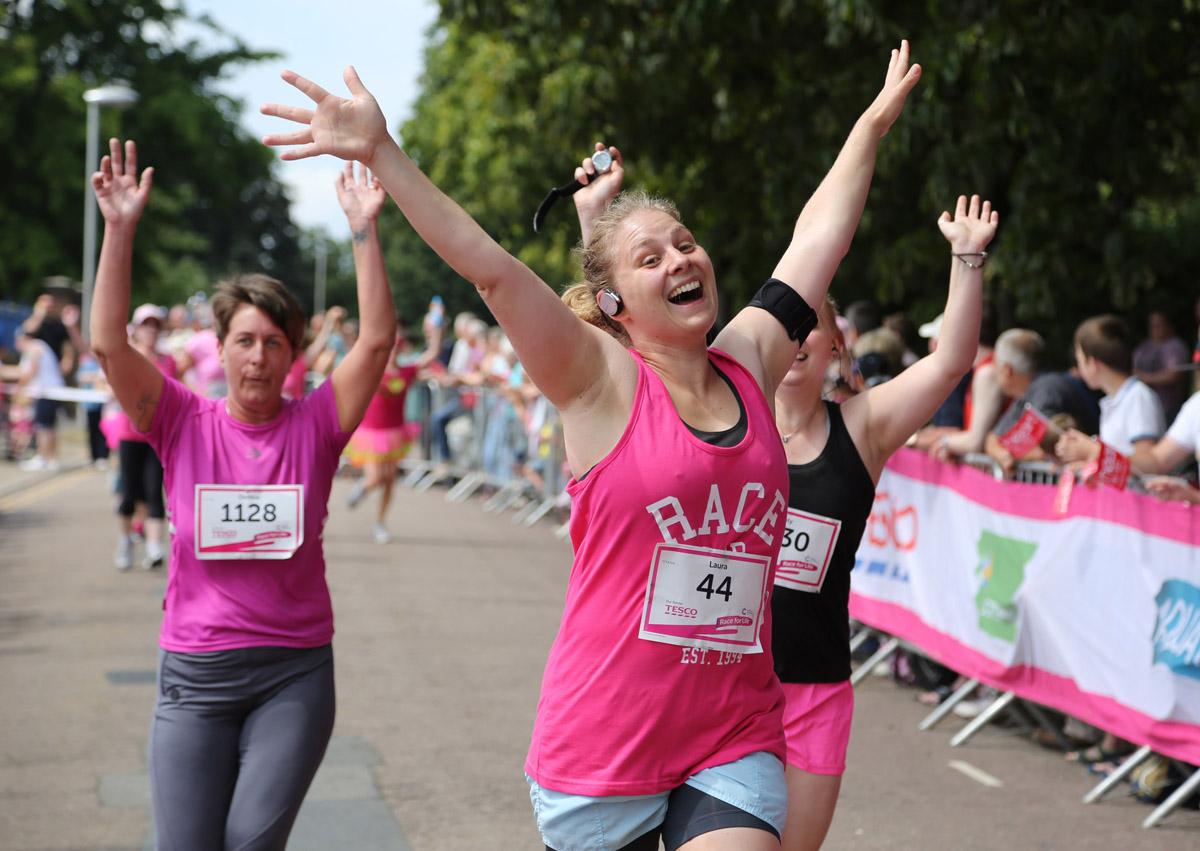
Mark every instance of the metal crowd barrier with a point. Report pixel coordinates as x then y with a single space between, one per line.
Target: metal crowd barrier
984 464
1033 472
1036 473
1027 472
518 460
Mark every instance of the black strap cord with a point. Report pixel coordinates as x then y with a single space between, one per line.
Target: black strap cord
564 191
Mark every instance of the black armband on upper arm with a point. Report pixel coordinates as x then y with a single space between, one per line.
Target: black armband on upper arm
786 305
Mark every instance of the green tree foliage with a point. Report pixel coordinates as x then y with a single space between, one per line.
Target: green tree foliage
1080 121
217 206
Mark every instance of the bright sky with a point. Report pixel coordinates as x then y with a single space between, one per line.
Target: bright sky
383 39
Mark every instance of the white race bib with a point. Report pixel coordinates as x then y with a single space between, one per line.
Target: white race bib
807 549
701 597
249 521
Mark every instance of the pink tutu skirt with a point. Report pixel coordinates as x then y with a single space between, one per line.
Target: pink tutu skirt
378 445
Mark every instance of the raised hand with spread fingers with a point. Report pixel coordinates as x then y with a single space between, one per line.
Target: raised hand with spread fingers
120 195
122 199
566 364
356 377
361 197
347 128
885 416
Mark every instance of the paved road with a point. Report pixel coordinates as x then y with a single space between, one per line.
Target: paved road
441 638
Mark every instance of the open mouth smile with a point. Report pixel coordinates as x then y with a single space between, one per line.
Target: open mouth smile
686 293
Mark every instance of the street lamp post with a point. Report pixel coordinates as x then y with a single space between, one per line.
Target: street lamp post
117 96
320 253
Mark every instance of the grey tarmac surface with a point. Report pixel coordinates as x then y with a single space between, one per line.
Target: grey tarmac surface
441 639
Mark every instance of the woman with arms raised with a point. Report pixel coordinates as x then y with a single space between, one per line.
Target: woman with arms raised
245 683
660 713
836 454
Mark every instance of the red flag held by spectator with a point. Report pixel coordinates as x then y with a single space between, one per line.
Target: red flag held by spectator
1026 433
1111 468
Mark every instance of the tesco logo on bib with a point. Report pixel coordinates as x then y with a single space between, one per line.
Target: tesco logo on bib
681 611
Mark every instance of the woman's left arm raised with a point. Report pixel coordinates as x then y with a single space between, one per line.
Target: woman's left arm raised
356 378
823 231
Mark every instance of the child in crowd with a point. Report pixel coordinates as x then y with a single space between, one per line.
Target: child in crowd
1131 415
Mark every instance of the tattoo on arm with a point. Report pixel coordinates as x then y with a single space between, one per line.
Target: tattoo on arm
143 408
360 236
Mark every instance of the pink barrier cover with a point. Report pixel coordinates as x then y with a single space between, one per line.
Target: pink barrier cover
1139 513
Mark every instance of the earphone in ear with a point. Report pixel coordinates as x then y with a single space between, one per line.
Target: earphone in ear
609 302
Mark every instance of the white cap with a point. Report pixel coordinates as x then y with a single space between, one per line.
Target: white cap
149 311
931 329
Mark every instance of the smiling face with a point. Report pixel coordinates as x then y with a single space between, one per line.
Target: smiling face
820 352
664 278
257 357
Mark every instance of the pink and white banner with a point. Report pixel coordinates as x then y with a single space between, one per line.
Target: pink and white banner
1095 612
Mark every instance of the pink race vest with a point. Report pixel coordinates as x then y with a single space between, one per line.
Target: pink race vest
662 665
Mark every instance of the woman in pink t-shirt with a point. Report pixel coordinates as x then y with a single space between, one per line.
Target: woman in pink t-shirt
660 711
245 683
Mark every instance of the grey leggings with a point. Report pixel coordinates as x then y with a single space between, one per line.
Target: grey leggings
236 739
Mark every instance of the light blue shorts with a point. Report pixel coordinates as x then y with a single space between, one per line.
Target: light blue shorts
755 783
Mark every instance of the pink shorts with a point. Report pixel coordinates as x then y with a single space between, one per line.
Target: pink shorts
816 721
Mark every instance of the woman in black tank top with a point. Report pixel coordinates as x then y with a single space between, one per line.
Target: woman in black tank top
836 454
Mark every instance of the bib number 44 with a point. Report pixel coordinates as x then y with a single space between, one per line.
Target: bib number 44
725 589
693 601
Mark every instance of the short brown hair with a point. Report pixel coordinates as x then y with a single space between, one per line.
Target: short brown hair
268 295
1106 338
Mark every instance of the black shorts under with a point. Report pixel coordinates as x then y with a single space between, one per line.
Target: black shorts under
692 813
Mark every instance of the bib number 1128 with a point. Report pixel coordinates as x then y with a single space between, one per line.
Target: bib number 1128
239 513
248 521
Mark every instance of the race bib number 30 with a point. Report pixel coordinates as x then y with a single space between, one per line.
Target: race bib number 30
807 549
249 522
701 597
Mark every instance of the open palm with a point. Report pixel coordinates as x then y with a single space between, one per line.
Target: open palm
972 226
347 128
362 197
119 195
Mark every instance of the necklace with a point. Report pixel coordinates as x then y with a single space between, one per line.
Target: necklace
786 437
